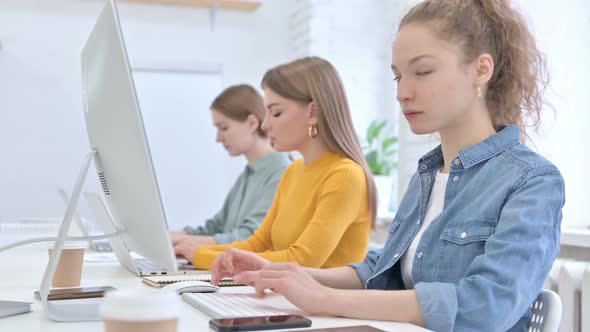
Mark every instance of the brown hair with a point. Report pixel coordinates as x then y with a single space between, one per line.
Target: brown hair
239 101
514 93
314 79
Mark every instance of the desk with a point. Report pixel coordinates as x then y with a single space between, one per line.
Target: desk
22 269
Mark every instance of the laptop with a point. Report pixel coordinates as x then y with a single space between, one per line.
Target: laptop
139 266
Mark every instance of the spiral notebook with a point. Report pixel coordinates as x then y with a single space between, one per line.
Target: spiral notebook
160 281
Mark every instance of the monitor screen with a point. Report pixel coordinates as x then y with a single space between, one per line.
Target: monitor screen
115 128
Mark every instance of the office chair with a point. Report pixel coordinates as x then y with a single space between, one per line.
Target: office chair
546 312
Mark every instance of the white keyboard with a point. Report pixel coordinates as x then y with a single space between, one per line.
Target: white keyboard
224 305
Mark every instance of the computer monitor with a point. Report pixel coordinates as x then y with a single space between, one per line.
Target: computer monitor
115 129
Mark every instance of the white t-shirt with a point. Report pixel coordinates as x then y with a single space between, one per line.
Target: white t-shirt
435 207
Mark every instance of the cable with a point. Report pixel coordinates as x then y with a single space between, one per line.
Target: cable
74 238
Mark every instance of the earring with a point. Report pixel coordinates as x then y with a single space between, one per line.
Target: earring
479 91
313 131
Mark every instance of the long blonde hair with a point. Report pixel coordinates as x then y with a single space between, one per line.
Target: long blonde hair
313 79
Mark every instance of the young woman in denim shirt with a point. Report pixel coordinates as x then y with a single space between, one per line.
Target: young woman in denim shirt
478 228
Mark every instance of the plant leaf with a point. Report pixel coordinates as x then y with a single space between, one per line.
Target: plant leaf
379 127
371 158
389 153
388 142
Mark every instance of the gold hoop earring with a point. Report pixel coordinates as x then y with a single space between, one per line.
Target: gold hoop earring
313 130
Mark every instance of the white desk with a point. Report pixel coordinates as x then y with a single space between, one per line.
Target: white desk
22 269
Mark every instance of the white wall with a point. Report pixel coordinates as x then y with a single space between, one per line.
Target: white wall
354 35
43 139
562 31
174 108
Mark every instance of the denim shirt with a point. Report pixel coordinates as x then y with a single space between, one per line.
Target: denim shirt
483 261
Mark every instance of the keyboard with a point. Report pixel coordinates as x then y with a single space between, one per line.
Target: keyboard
225 305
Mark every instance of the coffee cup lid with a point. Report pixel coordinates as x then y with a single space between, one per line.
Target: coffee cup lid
140 304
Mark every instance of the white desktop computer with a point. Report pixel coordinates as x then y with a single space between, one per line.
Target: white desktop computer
115 130
121 154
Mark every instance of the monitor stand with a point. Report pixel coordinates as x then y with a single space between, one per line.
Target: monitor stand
108 225
70 310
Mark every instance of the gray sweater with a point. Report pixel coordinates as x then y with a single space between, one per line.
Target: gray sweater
248 201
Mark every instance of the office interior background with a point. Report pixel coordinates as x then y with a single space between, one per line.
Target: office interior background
182 56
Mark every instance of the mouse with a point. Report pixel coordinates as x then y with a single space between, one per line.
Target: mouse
193 286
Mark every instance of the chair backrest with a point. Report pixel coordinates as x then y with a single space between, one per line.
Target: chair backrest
546 312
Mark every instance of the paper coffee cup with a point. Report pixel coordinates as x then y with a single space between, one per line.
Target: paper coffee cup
69 269
140 309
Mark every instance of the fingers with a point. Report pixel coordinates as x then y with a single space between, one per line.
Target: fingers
268 283
227 260
248 277
261 280
281 266
217 270
216 278
272 274
186 249
259 287
252 278
177 237
233 261
223 266
179 251
271 270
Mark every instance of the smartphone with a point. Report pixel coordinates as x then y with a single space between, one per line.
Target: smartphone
259 323
75 293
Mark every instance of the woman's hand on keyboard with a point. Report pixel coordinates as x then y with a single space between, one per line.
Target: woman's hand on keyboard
177 237
187 245
291 281
234 261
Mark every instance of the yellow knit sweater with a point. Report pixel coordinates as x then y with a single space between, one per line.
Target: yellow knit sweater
319 217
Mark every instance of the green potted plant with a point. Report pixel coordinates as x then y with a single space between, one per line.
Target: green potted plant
380 150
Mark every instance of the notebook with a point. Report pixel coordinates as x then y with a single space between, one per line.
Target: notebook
10 308
163 280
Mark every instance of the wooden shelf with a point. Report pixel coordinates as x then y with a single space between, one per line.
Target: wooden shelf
241 5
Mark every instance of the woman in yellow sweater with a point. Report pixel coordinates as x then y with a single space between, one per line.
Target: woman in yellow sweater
324 207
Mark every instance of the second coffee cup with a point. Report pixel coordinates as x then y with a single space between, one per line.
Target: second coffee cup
69 269
140 309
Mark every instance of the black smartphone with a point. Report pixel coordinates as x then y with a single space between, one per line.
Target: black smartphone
259 323
75 293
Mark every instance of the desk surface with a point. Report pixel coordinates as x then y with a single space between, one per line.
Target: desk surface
22 270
